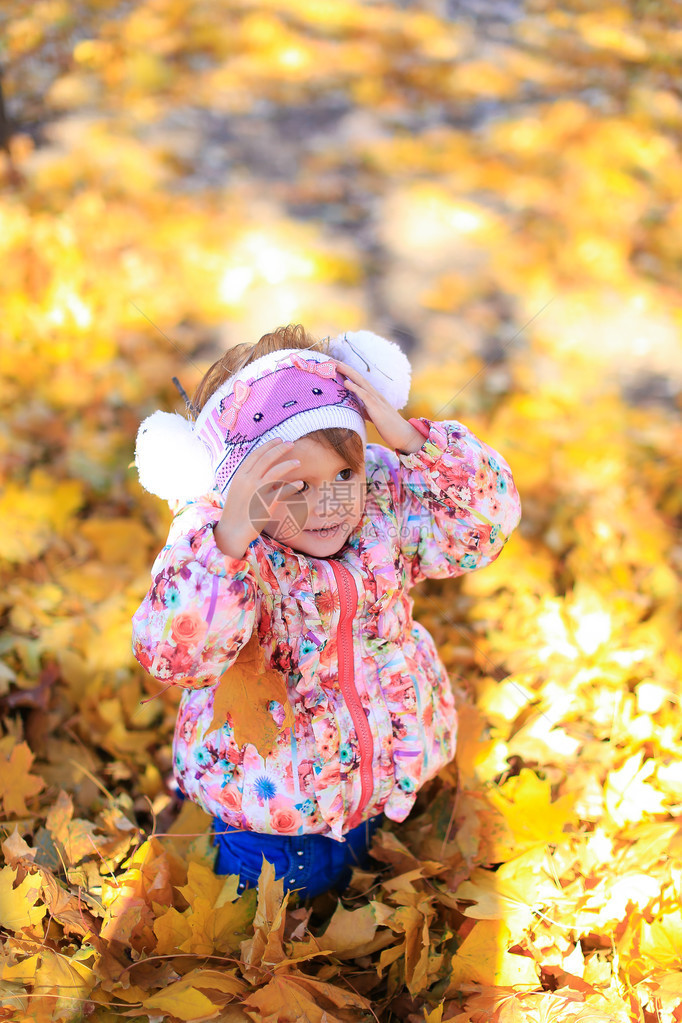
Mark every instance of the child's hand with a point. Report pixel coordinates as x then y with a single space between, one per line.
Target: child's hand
394 430
262 473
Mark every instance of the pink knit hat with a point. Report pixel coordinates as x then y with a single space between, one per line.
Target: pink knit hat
288 393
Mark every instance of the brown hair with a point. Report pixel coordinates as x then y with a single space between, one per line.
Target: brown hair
346 443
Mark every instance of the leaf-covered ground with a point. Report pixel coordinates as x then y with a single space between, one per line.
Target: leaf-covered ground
496 185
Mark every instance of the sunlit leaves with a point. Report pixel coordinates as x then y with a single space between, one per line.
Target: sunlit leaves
31 515
18 902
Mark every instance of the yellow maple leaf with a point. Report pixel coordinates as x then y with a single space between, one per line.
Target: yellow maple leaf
660 942
628 795
223 980
215 921
183 1001
435 1016
220 928
483 958
18 905
16 784
63 982
525 802
202 883
23 972
172 930
245 692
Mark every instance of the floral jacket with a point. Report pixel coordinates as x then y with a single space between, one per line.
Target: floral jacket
374 715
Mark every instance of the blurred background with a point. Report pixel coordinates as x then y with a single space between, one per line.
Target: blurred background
494 184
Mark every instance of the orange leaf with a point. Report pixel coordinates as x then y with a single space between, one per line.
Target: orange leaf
289 998
75 836
266 946
245 692
472 747
415 924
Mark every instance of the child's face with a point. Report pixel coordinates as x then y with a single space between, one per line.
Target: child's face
326 509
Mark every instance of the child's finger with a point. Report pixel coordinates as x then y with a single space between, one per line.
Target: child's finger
254 457
346 369
355 381
343 369
281 467
267 454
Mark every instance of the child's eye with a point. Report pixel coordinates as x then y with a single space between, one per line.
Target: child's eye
341 473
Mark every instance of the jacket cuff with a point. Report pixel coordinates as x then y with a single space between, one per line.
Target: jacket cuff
422 425
434 447
208 554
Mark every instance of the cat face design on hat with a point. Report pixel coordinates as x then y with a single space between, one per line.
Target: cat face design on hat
256 408
267 401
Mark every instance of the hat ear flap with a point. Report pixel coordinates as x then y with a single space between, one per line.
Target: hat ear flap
381 362
172 461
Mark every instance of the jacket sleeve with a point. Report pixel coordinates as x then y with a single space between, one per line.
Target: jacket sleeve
454 500
201 607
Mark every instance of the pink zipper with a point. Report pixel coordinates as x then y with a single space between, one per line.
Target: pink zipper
348 603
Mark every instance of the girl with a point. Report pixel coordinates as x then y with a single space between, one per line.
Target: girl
291 530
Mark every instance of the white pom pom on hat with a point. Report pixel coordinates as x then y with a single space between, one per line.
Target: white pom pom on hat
172 461
382 362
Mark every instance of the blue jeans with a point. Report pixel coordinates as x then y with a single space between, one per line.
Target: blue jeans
308 864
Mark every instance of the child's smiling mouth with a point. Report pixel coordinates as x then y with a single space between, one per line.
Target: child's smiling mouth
325 530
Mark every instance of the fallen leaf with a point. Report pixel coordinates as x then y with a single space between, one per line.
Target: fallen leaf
183 1002
244 693
16 784
290 998
484 958
525 802
18 904
512 893
63 983
15 849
